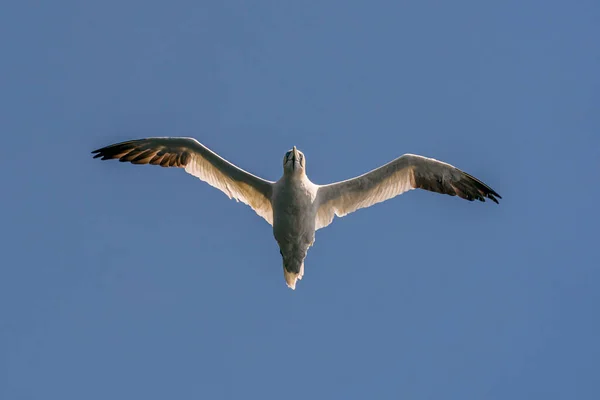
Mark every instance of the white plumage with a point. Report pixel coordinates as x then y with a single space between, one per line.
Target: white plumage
293 205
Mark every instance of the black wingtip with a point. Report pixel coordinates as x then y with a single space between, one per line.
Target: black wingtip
97 153
490 193
484 189
492 196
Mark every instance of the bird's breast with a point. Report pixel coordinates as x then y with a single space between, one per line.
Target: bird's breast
293 209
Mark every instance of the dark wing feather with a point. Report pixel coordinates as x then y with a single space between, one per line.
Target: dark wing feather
435 176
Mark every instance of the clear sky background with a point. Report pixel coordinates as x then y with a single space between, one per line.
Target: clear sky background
130 282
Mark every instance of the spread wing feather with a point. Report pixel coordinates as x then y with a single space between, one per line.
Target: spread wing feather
390 180
199 161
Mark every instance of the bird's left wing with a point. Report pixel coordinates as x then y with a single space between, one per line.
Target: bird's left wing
390 180
200 161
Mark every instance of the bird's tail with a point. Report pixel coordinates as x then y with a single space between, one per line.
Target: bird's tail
292 277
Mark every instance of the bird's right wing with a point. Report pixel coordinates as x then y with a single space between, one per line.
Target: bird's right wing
394 178
200 161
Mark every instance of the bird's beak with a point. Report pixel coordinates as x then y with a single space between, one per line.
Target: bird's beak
296 157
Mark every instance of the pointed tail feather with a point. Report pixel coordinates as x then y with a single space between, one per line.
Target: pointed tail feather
292 277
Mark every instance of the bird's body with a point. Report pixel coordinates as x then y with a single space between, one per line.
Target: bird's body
294 206
294 217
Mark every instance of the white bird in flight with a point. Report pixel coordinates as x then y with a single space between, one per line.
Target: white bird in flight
294 206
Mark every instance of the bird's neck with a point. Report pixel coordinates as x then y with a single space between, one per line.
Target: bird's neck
294 174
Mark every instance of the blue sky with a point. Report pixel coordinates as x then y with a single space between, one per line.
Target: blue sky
122 282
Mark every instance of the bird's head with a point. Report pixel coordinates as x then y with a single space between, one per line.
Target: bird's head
294 162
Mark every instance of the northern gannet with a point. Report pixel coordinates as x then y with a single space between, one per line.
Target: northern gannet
294 206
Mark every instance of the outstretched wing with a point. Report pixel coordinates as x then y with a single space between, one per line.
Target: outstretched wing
401 175
199 161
